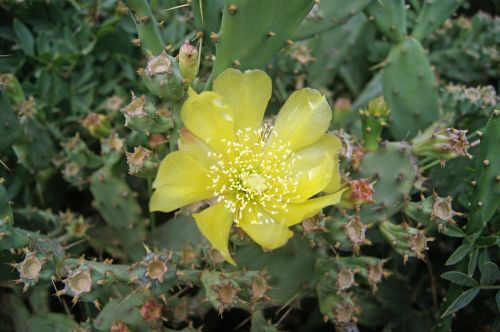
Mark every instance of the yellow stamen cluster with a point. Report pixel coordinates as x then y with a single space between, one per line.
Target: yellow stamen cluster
254 172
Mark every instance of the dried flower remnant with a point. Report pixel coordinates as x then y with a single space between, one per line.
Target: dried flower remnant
151 310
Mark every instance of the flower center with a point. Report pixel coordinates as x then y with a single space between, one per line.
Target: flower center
254 172
253 183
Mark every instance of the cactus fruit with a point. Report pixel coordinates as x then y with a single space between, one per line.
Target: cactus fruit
156 272
405 240
443 144
163 78
144 117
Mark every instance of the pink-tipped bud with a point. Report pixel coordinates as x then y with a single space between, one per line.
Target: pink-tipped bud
188 61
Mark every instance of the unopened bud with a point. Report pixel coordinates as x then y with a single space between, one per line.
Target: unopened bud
373 120
188 61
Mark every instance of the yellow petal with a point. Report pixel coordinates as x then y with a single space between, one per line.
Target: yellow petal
209 117
334 148
246 93
201 151
315 165
298 212
215 224
263 229
180 181
303 119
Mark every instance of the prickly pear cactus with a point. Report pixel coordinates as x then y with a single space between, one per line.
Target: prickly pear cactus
249 165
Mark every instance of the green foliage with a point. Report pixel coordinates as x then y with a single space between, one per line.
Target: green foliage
417 228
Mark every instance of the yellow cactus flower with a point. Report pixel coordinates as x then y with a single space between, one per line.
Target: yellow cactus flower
259 177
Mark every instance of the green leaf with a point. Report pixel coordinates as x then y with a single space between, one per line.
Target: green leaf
486 241
454 231
463 300
471 268
459 278
459 254
25 37
489 273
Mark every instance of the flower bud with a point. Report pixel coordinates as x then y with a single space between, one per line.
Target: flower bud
444 144
188 61
163 78
373 121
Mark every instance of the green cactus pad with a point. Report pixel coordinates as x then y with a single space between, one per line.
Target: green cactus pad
394 168
329 14
486 197
410 89
432 15
390 18
147 27
252 31
119 208
342 39
207 14
114 199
